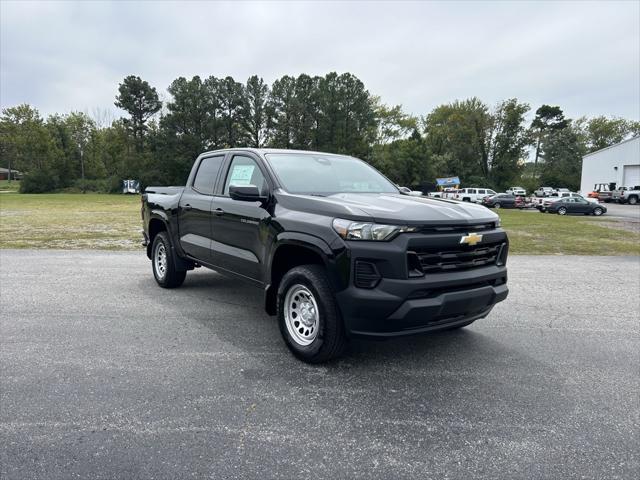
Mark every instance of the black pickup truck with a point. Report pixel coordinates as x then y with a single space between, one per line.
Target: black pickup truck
337 249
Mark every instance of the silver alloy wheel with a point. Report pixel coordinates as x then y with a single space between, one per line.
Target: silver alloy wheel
160 261
301 314
497 205
597 212
562 211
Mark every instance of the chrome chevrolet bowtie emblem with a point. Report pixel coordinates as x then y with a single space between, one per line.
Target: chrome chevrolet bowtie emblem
471 239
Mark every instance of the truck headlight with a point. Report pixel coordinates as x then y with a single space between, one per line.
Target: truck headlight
350 230
498 222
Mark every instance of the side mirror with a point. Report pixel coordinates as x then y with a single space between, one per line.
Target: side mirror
246 193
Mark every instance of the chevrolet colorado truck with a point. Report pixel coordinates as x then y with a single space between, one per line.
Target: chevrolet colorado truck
337 249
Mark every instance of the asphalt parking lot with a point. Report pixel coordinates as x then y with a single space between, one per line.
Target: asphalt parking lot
105 375
626 212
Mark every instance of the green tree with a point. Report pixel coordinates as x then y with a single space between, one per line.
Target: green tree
255 115
404 161
457 135
193 124
81 129
306 114
281 110
140 101
548 119
507 140
602 132
26 143
563 152
392 123
233 107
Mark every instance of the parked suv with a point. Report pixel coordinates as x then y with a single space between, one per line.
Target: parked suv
518 191
474 195
543 192
337 250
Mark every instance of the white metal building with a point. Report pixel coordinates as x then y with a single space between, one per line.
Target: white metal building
619 164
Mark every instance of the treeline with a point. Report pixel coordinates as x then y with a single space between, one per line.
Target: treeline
157 142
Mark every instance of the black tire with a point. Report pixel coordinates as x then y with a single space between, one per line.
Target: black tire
633 200
171 277
497 205
597 211
562 211
330 340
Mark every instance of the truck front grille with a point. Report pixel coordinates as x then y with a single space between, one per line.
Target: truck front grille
433 260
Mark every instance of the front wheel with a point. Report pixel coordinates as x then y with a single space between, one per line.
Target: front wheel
164 268
497 205
562 211
308 316
633 200
597 211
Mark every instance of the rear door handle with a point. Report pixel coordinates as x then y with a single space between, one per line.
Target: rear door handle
218 211
187 207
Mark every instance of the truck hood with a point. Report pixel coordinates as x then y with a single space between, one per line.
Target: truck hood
396 209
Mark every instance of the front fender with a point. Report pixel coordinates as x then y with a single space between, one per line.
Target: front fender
335 258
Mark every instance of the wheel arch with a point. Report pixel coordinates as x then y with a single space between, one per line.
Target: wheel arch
159 222
291 250
156 225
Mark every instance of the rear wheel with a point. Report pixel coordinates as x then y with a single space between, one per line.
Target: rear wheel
597 211
633 200
308 316
562 211
164 268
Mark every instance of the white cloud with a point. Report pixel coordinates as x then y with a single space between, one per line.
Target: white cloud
584 57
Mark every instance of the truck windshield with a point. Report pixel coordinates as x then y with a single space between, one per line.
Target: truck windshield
307 173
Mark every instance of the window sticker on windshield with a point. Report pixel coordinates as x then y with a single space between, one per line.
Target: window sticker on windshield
241 174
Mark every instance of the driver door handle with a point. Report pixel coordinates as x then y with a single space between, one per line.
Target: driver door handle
218 211
187 207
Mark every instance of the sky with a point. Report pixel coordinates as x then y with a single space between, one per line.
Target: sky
582 56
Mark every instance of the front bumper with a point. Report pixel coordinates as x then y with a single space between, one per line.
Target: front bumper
407 307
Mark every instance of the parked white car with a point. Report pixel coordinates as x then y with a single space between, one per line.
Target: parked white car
517 191
543 192
474 195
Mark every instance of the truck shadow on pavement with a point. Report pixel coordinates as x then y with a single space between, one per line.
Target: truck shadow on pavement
460 377
230 309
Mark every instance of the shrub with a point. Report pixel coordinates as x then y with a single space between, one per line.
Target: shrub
99 185
39 181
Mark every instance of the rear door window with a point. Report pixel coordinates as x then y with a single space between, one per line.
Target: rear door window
207 174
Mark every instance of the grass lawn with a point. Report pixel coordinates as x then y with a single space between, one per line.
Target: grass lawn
535 233
6 186
69 220
112 222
